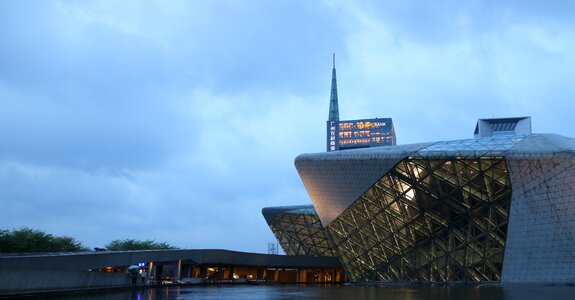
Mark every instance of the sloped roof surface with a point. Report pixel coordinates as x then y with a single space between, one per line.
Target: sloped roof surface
334 180
270 212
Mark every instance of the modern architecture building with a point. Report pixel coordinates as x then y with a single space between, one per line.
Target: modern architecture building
298 230
353 134
496 208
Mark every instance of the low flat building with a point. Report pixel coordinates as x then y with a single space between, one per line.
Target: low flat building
53 272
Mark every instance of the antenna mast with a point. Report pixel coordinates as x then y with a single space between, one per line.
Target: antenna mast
334 60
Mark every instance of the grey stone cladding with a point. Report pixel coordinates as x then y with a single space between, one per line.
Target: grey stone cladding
540 238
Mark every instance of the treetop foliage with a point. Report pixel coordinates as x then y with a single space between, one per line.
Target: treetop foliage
130 244
25 240
29 240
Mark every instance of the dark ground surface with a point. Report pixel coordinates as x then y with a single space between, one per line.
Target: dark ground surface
491 292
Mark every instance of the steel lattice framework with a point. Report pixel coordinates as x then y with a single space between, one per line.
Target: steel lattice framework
496 208
299 231
428 219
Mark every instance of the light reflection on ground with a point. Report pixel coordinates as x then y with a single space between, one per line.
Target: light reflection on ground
517 292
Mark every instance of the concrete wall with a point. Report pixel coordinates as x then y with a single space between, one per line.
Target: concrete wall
15 280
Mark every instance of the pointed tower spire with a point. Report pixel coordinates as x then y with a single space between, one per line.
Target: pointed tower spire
333 105
332 121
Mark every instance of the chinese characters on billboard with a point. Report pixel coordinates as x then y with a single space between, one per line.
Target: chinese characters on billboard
360 134
332 135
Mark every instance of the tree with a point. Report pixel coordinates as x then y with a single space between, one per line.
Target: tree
130 244
29 240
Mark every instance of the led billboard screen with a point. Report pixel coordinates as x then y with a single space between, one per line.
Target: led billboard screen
365 133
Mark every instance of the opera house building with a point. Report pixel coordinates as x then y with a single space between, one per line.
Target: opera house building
499 207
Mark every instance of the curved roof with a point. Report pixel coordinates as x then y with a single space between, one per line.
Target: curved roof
270 212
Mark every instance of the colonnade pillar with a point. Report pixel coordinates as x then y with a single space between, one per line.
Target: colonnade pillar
178 270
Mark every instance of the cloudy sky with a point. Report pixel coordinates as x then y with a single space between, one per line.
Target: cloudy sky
179 120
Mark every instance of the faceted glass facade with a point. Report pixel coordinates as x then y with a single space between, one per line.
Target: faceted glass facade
427 219
496 208
299 231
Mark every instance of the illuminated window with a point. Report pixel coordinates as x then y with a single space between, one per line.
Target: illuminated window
454 230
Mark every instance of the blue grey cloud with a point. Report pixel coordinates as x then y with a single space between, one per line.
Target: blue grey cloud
179 121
